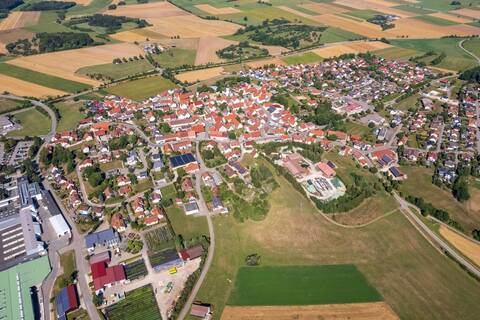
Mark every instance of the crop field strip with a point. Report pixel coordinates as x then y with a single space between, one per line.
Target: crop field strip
139 304
24 88
136 269
159 238
301 285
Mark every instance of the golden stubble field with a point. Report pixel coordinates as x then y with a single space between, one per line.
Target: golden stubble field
199 75
350 47
64 64
214 11
19 19
467 247
351 311
22 88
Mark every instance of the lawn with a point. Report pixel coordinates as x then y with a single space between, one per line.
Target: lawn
308 57
175 57
139 304
456 58
118 71
187 226
42 78
70 115
394 258
33 124
115 164
408 102
169 192
357 128
420 184
301 285
143 185
436 20
141 88
8 105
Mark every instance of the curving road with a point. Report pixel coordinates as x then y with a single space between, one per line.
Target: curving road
432 237
473 55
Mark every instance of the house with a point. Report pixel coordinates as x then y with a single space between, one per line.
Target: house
104 276
192 167
66 301
326 170
107 238
187 185
202 311
158 165
191 253
118 223
191 208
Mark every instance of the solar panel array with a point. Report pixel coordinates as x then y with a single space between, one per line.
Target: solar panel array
181 160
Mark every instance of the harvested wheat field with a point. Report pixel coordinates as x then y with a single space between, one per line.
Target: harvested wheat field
207 48
351 311
190 26
22 88
274 50
467 247
260 63
324 8
186 43
450 17
148 11
414 28
363 28
19 19
82 2
64 64
295 12
12 35
212 10
350 47
467 13
199 75
365 4
139 35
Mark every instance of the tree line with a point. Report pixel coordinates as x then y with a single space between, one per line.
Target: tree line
47 6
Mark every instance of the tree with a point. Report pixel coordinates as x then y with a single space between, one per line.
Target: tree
97 300
460 189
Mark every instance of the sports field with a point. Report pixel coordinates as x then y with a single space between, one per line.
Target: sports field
393 256
33 124
141 88
301 285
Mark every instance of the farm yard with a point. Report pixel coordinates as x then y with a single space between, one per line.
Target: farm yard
139 304
410 267
301 285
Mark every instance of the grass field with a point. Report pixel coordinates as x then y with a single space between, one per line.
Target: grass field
67 261
395 53
456 58
363 14
436 20
308 57
139 304
419 184
301 285
395 259
118 71
414 8
187 226
473 45
47 23
175 57
8 105
336 35
70 115
33 124
42 78
142 88
169 192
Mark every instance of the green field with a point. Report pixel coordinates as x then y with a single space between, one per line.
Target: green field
8 105
42 78
117 71
94 7
445 5
70 115
187 226
139 304
301 285
363 14
395 259
456 58
436 20
67 261
396 53
169 192
141 88
473 45
33 124
337 35
308 57
175 57
47 23
414 8
258 15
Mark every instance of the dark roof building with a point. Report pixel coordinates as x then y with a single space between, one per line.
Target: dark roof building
181 160
66 301
106 238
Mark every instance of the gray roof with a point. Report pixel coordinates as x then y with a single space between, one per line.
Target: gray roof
101 237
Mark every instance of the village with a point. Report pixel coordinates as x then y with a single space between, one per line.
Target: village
132 172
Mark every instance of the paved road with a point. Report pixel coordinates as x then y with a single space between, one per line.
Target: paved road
460 44
77 244
211 249
432 237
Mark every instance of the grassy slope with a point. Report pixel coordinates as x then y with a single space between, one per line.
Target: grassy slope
117 71
396 53
175 57
413 277
42 78
7 105
456 58
419 184
301 285
142 88
70 115
33 123
473 45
